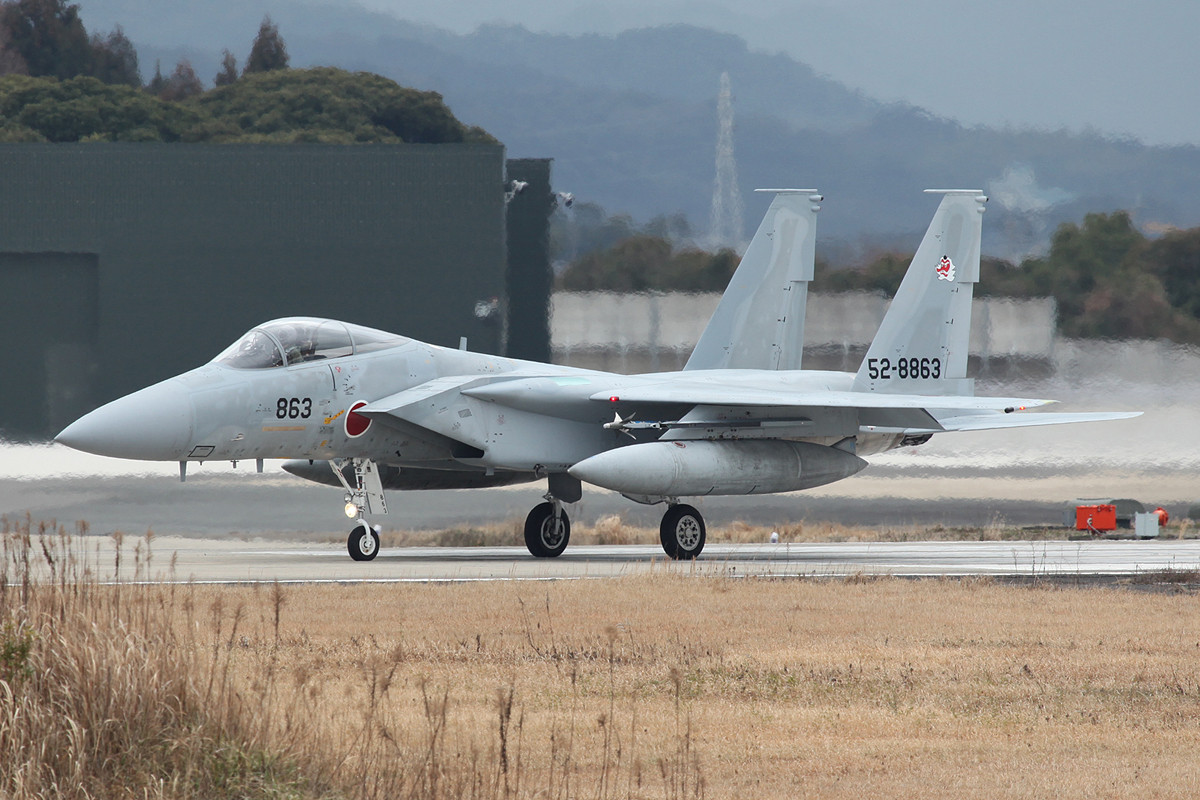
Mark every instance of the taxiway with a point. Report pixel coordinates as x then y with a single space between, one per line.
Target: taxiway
224 561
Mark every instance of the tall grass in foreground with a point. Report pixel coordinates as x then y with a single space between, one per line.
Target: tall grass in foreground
160 690
647 686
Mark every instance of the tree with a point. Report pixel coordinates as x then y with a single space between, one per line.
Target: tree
49 37
1174 259
1085 260
182 84
11 62
114 59
881 275
647 263
229 70
268 51
331 105
587 228
158 83
320 105
628 266
84 109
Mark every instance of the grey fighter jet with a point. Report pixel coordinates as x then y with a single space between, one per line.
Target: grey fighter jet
369 410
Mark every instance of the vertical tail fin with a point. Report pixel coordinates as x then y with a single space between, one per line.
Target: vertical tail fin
759 323
921 346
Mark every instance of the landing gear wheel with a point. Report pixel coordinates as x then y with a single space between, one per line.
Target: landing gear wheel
682 532
363 543
546 536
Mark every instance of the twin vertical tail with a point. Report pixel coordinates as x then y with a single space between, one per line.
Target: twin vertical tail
759 323
922 344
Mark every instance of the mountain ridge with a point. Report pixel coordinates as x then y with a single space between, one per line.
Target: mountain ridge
630 120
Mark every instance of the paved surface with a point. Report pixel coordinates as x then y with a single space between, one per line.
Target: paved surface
226 561
285 507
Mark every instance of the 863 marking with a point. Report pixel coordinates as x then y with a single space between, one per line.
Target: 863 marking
293 408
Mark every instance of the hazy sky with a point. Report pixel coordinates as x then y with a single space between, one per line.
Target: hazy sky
1120 67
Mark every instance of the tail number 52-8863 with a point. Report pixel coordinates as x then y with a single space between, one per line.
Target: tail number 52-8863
904 368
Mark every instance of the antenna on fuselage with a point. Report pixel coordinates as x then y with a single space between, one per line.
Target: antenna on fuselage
462 343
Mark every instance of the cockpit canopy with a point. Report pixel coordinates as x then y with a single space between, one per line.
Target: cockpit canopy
295 340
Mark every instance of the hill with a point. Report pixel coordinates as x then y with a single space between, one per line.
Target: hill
630 121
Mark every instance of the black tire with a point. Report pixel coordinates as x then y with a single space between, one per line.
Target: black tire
682 532
543 538
363 543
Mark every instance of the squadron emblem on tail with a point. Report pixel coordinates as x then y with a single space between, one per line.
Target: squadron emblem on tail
945 269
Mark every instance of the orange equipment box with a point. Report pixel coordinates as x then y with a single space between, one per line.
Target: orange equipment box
1096 518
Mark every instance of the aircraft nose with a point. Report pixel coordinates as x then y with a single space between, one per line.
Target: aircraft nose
154 424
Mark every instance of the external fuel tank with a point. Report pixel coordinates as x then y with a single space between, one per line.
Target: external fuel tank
701 467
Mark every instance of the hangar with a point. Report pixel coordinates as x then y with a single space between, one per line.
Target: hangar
122 264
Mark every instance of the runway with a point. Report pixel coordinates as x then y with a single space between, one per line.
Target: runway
224 561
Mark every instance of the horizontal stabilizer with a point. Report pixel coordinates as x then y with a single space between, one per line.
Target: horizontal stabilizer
986 422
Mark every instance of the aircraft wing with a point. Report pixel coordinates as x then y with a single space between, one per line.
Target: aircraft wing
712 394
878 412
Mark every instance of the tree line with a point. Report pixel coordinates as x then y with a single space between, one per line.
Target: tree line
60 84
1108 279
47 38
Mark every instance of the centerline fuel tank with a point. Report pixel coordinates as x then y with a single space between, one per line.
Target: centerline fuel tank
691 468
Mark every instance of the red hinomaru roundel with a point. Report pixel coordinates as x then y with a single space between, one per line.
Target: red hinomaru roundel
356 424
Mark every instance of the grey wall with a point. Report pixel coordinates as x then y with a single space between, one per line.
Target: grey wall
529 275
122 264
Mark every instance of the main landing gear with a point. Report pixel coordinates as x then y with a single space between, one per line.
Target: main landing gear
682 532
548 528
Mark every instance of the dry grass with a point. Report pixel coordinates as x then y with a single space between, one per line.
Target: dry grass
653 686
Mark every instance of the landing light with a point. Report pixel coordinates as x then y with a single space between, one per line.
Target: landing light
351 510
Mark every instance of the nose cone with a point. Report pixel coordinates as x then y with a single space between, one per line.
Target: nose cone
154 424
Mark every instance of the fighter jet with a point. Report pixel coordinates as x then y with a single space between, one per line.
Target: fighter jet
368 410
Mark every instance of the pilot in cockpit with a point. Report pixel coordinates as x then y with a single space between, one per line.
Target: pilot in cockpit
290 339
308 345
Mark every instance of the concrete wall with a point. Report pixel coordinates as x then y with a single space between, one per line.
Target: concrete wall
650 332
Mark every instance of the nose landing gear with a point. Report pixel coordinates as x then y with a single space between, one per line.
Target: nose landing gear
365 495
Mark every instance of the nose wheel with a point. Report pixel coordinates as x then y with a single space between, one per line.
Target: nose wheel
363 543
